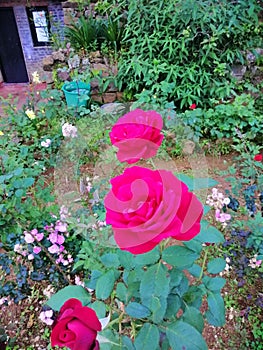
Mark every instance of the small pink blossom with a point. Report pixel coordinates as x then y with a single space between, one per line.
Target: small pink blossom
34 232
53 237
61 226
30 257
61 248
46 143
29 238
37 250
45 316
60 239
54 249
39 236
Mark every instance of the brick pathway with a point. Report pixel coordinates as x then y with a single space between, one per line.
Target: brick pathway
21 91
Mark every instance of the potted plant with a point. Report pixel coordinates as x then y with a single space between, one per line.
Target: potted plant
77 93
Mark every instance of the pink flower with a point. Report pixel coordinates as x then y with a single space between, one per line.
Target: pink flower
54 249
45 316
53 237
193 106
31 257
61 226
145 206
137 135
34 231
28 238
39 236
37 250
258 157
60 239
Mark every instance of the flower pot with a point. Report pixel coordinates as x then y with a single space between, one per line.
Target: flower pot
77 93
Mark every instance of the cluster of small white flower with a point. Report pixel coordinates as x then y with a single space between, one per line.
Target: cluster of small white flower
254 263
69 130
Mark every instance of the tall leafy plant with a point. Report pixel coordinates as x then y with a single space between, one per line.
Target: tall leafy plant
183 50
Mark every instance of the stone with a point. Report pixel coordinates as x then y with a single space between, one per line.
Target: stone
63 75
109 97
113 108
58 56
47 63
96 98
48 77
99 67
188 147
238 71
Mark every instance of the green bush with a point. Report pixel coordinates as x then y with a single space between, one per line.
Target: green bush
182 50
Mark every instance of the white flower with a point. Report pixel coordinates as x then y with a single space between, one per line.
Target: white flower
69 130
46 143
35 77
30 113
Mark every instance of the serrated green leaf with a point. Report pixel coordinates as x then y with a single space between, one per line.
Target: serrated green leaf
149 258
179 256
121 292
182 335
110 260
216 265
19 193
154 290
147 338
173 305
216 312
77 292
126 259
137 310
209 234
105 284
215 284
99 307
29 181
193 317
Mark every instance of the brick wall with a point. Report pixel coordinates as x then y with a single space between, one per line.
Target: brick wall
34 55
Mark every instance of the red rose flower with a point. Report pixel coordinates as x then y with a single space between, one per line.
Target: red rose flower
76 327
137 135
193 106
146 206
258 157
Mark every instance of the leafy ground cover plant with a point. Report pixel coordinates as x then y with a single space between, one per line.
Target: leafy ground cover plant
176 52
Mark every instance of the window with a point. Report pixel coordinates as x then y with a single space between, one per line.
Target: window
39 25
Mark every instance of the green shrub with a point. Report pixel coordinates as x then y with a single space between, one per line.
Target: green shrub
182 50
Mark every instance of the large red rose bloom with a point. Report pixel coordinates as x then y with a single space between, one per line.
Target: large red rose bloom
146 206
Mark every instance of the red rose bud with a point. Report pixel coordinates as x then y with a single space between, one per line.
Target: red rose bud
258 157
76 327
137 135
193 106
146 206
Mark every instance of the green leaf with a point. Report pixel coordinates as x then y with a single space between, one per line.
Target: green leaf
173 305
147 338
216 265
28 182
194 245
105 284
215 284
195 270
182 335
194 317
195 184
209 234
154 290
19 193
179 256
77 292
216 312
126 259
110 260
148 258
121 292
137 310
99 307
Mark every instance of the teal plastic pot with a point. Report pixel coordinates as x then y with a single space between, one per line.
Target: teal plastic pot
77 93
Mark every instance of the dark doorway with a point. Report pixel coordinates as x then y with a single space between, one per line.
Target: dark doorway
12 62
